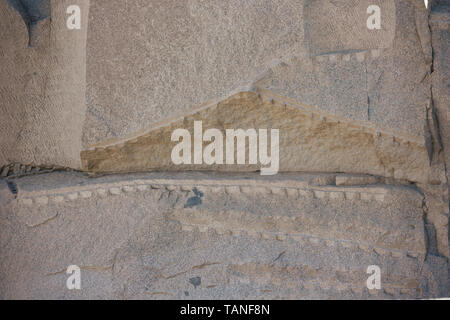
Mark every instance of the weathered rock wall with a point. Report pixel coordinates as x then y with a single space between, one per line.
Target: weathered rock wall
147 236
171 57
440 26
364 148
309 141
42 86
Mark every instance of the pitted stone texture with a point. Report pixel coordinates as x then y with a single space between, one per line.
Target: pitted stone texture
147 245
32 12
42 88
440 25
187 54
181 54
263 35
340 27
390 87
349 180
373 75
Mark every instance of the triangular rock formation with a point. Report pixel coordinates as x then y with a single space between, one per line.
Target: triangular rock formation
309 140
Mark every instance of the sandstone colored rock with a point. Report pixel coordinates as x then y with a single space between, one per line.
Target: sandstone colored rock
310 140
439 21
350 180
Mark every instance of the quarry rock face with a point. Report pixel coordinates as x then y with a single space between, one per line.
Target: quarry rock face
42 87
183 55
224 149
309 140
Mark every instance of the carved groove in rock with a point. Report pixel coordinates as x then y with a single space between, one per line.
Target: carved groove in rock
304 219
309 141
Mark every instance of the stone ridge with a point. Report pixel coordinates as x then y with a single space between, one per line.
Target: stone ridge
327 143
377 196
326 282
273 98
331 117
377 193
269 230
358 55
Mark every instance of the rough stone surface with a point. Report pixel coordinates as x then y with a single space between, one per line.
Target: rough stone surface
440 26
309 141
32 11
364 149
440 22
42 88
295 242
181 55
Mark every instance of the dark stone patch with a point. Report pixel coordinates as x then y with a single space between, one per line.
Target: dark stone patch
32 11
12 187
196 281
197 192
195 200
